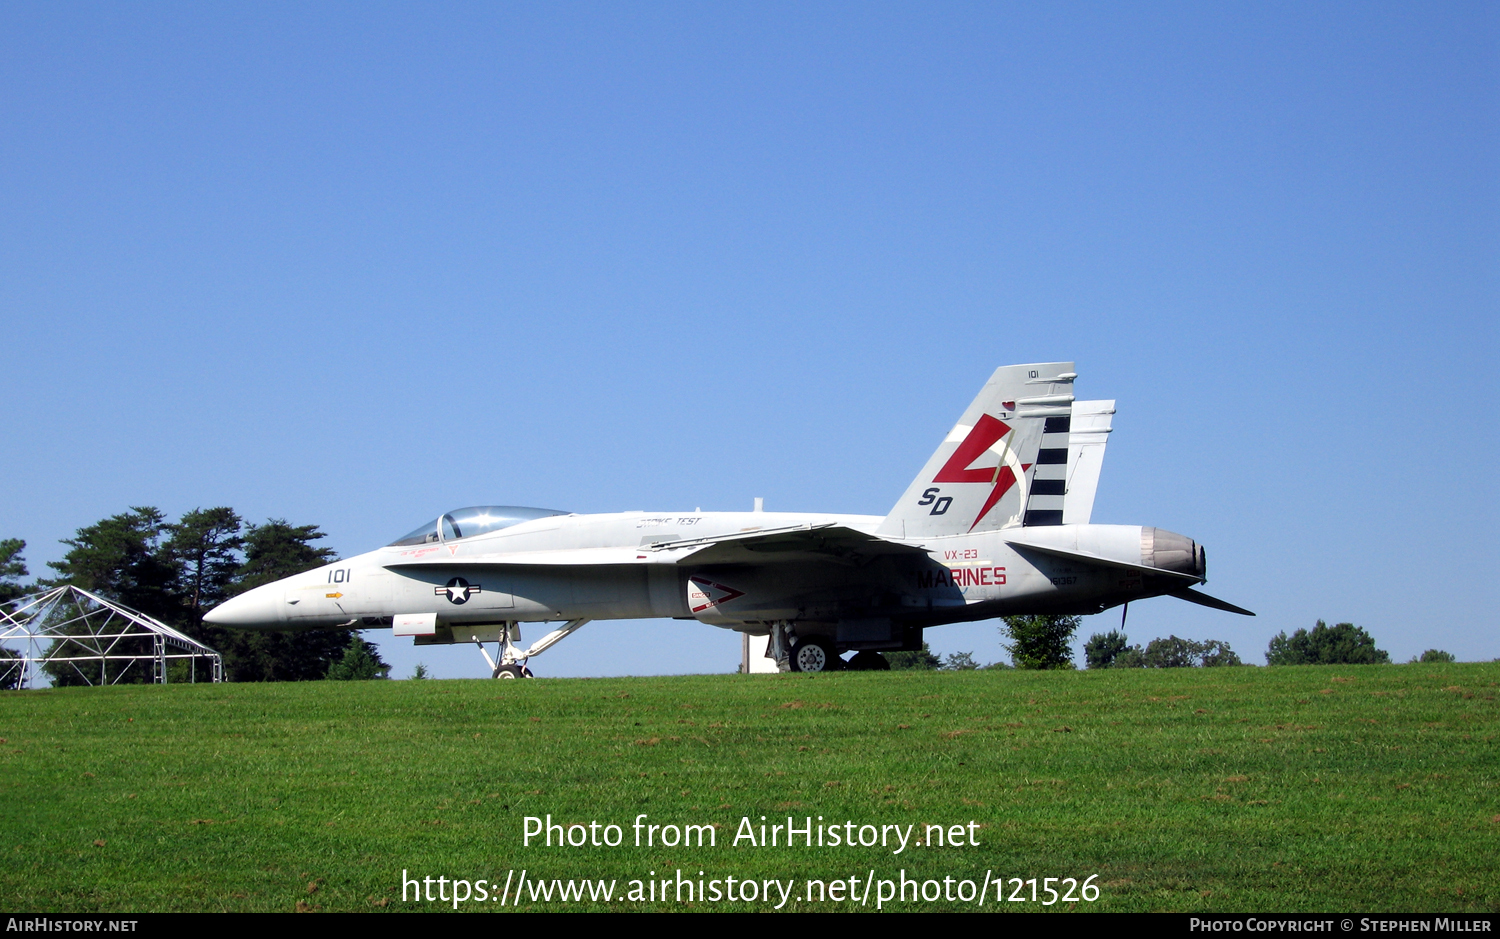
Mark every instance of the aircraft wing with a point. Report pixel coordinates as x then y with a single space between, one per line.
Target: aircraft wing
826 541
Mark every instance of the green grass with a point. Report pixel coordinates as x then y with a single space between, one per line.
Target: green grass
1325 789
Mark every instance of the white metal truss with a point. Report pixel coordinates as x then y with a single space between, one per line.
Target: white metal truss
87 632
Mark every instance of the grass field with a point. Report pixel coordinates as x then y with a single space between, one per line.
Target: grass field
1316 789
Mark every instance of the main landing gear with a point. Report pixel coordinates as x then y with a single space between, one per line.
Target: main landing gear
801 654
512 663
814 654
794 653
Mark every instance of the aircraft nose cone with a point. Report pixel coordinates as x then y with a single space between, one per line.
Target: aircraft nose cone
257 607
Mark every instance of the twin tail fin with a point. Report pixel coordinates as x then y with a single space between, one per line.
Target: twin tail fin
1008 450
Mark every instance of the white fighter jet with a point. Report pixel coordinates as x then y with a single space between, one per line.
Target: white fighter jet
997 523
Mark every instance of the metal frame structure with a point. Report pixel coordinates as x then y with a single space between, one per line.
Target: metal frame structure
70 624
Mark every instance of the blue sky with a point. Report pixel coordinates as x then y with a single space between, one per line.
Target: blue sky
352 265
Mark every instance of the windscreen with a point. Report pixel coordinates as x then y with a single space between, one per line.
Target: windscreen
474 520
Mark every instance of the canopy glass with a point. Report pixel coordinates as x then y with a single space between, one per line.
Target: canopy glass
474 520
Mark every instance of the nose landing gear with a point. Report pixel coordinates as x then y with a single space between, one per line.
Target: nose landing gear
512 663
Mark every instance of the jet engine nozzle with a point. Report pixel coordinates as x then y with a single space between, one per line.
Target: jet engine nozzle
1170 551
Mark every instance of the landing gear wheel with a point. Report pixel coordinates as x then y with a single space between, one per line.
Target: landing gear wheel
813 654
511 671
868 661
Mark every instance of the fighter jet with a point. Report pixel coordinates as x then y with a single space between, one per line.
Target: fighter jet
996 523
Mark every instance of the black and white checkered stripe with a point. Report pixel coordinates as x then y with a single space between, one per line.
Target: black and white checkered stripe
1049 478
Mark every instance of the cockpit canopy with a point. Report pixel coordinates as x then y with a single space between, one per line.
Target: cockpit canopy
475 520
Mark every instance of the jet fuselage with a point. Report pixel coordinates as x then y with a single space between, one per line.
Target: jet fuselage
623 566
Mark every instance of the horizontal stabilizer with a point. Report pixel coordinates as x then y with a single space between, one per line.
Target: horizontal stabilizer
1102 561
1214 603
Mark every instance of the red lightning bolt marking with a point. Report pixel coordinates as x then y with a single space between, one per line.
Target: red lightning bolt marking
1000 477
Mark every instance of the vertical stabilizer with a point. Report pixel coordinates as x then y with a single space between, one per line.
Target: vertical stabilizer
1090 429
980 477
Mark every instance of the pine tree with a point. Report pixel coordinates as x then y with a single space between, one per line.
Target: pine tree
121 558
204 546
361 662
12 569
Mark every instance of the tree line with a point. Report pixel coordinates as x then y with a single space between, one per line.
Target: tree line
1043 642
177 571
